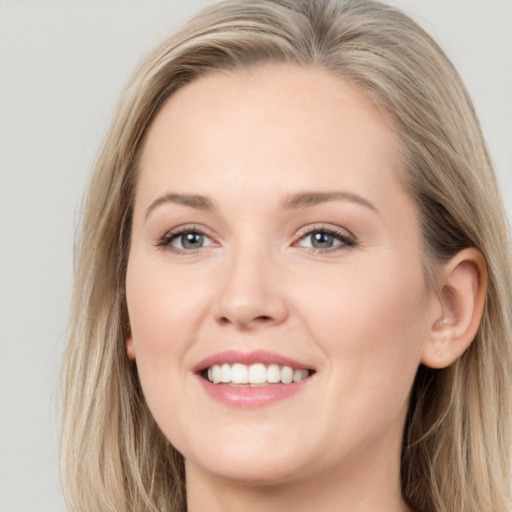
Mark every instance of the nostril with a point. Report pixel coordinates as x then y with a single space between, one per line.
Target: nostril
246 323
249 311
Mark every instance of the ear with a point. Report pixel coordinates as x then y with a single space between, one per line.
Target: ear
460 303
129 348
130 351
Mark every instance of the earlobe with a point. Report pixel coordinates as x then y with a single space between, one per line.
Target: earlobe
129 348
461 297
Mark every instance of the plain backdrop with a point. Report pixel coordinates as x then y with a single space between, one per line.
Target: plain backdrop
62 67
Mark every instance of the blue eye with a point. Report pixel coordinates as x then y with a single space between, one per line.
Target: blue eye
321 240
326 239
190 241
186 240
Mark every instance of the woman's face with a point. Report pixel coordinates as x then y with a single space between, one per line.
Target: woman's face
273 242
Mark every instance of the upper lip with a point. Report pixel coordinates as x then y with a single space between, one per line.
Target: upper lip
252 357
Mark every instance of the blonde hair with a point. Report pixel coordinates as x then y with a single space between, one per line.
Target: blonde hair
456 448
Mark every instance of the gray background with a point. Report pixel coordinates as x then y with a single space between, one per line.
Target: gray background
62 67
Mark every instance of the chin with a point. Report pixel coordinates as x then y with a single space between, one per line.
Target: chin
253 463
264 472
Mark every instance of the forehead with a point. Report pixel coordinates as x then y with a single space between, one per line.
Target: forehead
269 125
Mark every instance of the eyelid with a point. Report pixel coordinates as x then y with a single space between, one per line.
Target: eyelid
347 238
165 241
343 235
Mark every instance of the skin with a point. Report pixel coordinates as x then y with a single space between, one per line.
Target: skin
360 314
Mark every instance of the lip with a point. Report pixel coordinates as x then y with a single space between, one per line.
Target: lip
252 357
245 395
251 396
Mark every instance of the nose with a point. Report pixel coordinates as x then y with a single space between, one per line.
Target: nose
250 295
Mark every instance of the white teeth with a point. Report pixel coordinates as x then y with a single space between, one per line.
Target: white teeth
255 374
298 375
225 373
239 374
273 374
286 375
216 374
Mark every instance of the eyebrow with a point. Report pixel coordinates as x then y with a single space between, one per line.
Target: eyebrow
296 201
307 199
192 200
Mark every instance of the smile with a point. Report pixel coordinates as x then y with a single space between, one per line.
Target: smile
257 374
252 379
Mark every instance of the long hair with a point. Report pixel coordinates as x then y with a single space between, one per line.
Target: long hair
456 444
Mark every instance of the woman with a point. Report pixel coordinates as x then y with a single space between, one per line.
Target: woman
293 284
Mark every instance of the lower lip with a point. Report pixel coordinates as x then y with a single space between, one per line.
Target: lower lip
247 396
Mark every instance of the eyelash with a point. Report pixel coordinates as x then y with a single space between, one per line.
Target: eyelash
166 241
346 238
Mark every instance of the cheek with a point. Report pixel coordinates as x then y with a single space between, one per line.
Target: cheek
162 308
371 329
161 327
149 310
358 300
370 323
158 326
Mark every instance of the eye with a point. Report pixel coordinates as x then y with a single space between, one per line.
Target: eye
190 240
326 239
185 240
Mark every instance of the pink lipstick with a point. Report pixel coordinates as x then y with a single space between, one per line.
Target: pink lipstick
250 379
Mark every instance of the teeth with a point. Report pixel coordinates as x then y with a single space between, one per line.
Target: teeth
273 374
287 375
239 374
225 373
298 375
255 374
216 377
